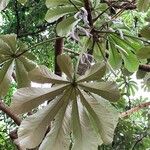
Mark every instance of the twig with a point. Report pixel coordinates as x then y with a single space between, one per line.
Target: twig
138 141
135 109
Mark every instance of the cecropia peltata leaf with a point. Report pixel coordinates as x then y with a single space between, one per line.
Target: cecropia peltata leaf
42 74
96 72
21 75
56 3
59 135
33 128
5 77
83 136
22 1
143 5
25 99
108 90
144 52
11 40
103 119
11 49
65 64
5 48
53 14
28 64
66 26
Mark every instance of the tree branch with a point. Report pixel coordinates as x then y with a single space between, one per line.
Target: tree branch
17 18
124 5
59 43
6 109
135 109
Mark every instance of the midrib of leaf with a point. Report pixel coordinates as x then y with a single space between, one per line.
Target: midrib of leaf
50 115
91 113
62 119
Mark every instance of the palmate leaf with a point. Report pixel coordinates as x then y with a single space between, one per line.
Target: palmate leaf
145 32
96 72
66 26
115 59
42 74
143 5
10 51
21 75
22 1
126 50
107 90
58 9
53 14
89 139
25 99
102 115
59 136
5 77
65 64
56 3
90 113
144 52
36 125
81 128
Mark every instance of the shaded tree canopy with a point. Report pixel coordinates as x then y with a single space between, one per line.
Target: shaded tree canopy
74 74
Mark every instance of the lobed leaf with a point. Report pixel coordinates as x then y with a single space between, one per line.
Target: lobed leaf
21 75
144 52
59 135
65 64
42 74
107 90
54 14
102 118
25 99
66 26
33 128
96 72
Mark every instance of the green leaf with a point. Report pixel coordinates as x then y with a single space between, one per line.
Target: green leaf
55 13
25 99
66 26
55 3
22 1
131 62
145 32
115 59
65 64
96 72
107 90
143 5
144 53
36 125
